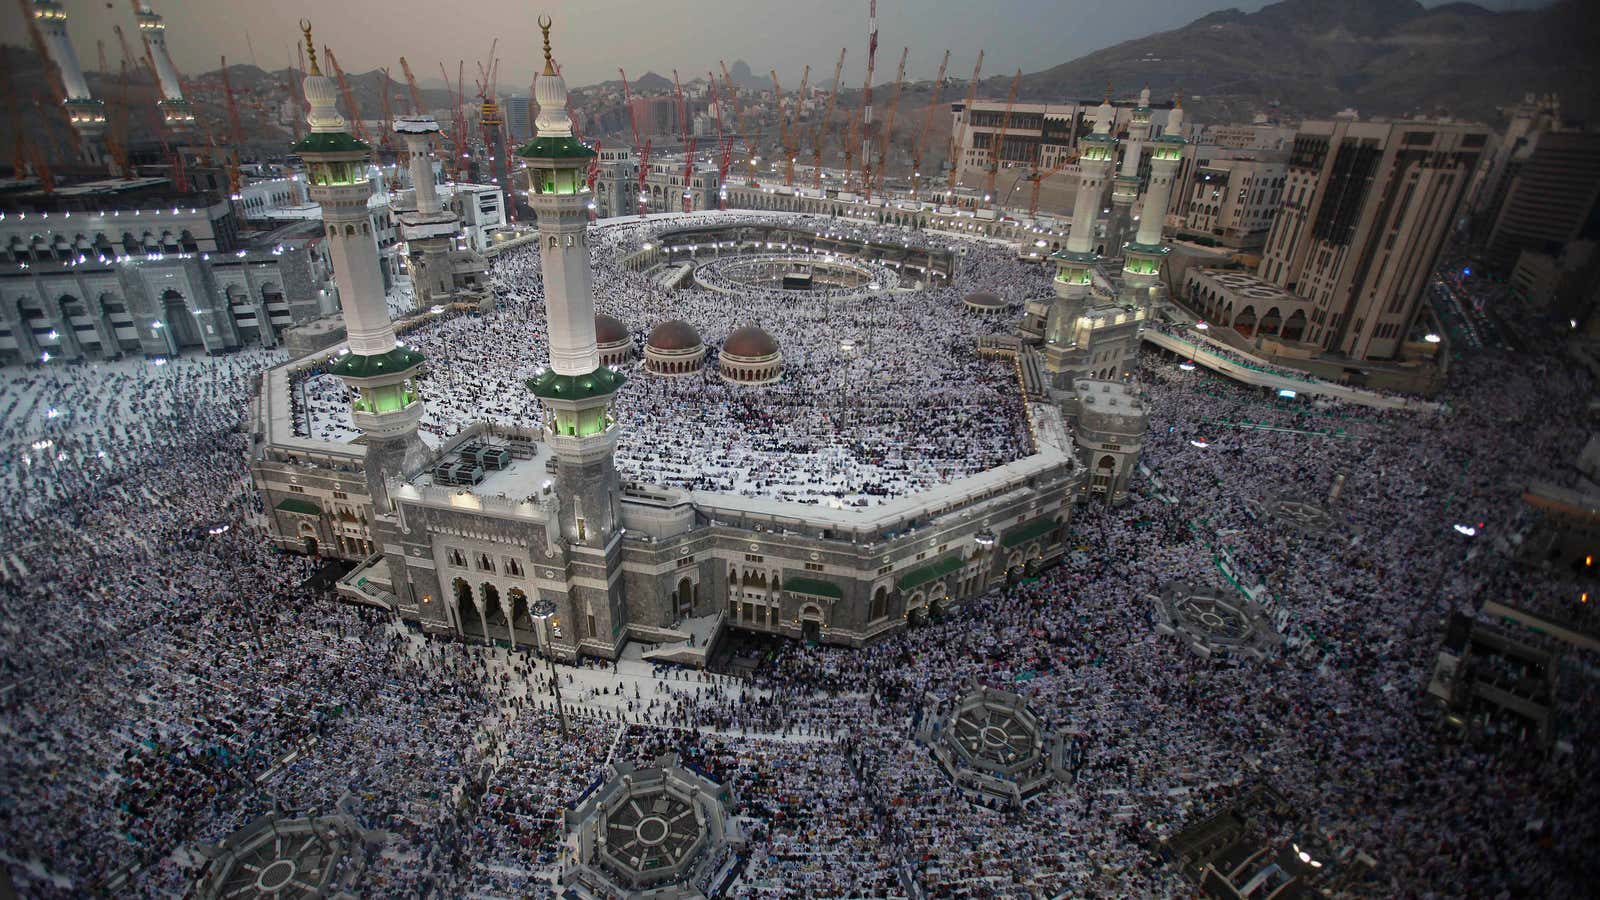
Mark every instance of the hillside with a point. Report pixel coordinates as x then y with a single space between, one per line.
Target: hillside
1315 57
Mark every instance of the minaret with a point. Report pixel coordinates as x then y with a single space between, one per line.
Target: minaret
1075 264
1125 189
380 369
429 231
575 390
87 114
174 109
1141 267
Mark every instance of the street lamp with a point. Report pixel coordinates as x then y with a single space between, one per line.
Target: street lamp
542 610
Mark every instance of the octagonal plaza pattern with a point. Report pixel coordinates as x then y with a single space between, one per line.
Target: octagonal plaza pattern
1212 623
662 832
1307 516
287 859
994 748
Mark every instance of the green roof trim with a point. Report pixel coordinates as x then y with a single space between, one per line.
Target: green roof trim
330 142
923 574
555 148
299 505
1024 533
816 587
599 383
356 365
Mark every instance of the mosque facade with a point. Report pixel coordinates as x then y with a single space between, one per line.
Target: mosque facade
530 538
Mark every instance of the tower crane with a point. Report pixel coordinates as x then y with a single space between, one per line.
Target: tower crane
235 133
641 153
744 125
999 138
349 97
888 122
724 146
791 123
386 140
819 134
688 143
411 85
866 99
960 136
1038 177
927 123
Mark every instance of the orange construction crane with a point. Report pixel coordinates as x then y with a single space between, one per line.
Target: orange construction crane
863 131
790 127
1039 177
888 122
411 85
117 127
235 134
386 140
960 136
743 124
998 139
724 145
348 95
927 124
688 144
22 153
819 134
641 152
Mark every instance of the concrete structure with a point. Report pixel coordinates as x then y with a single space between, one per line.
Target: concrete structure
1366 210
1232 196
656 833
674 348
177 111
102 269
528 537
1046 132
1551 196
431 233
519 117
994 749
1108 426
1143 256
1534 115
616 187
280 857
612 340
87 115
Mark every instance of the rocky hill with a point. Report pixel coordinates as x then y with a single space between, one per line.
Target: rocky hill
1316 57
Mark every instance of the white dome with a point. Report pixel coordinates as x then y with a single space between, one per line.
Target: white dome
322 96
551 93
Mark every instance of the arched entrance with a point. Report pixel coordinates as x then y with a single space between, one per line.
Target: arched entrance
179 320
685 597
494 616
1245 321
811 623
1294 328
466 610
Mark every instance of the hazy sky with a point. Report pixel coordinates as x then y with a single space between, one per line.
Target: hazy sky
594 37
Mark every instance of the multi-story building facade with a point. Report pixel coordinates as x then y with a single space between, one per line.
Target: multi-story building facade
1232 195
1366 209
617 191
1551 188
1044 132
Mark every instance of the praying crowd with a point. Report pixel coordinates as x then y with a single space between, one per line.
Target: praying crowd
883 392
166 676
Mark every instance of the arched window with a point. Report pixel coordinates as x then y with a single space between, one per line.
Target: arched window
880 604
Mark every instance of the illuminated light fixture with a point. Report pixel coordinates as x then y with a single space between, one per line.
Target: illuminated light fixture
1201 326
1431 338
1201 444
1186 366
1467 530
1286 394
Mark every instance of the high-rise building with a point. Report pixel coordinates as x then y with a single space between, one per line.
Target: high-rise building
1552 190
519 117
1366 209
1232 195
1044 132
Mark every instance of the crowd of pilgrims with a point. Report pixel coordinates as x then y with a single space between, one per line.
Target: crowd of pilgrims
883 393
165 679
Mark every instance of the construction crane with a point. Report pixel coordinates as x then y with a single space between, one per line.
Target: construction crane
960 136
927 124
790 129
743 123
724 146
998 140
386 140
819 134
411 85
117 125
349 96
865 135
1038 178
888 122
641 152
180 178
688 143
235 133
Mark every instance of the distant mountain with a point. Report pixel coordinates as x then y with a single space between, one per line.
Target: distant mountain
1315 57
650 82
